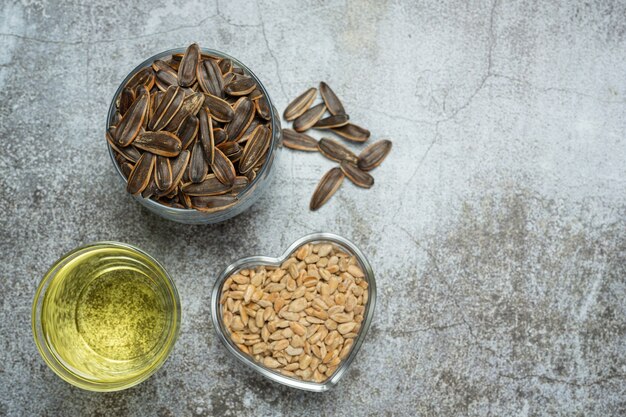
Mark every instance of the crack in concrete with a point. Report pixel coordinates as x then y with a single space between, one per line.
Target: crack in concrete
269 50
228 22
408 332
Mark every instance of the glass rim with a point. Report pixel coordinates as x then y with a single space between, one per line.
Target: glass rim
51 358
218 325
243 194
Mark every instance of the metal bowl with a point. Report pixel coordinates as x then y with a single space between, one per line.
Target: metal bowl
248 196
253 261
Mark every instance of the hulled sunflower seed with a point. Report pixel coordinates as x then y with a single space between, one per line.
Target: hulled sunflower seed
255 149
352 132
332 101
331 122
374 154
336 151
300 104
159 143
327 186
299 141
189 65
309 118
140 175
356 175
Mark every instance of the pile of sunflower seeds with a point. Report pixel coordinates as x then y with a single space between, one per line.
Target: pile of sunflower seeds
301 318
305 116
191 131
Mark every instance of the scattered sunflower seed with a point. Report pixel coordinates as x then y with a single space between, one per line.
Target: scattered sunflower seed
332 101
309 118
328 185
352 132
356 175
299 141
300 104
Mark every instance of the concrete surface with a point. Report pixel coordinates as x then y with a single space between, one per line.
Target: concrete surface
497 226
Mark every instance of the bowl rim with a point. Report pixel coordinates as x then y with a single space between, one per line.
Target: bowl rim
49 355
274 122
216 315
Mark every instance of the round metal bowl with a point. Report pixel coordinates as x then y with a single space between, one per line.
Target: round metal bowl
253 261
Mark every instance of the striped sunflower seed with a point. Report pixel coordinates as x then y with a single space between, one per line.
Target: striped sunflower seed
244 113
223 168
352 132
140 175
163 173
255 149
356 175
336 151
328 185
331 122
159 143
198 167
299 141
332 101
210 186
188 130
188 66
171 102
309 118
240 86
210 78
206 135
300 104
374 154
220 109
128 128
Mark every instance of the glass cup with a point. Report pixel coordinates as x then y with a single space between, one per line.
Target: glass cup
248 196
106 316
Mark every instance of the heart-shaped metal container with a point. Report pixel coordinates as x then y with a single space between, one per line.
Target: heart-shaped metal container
253 261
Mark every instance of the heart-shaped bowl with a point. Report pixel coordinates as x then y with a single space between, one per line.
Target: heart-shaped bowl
255 261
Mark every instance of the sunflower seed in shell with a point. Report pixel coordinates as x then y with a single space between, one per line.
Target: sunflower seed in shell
163 173
191 105
299 141
171 102
352 132
229 148
126 168
244 113
159 65
240 86
374 154
189 65
263 108
144 76
198 167
223 168
212 204
356 175
256 147
159 143
255 94
309 118
141 173
127 96
188 130
208 187
226 65
219 135
179 167
206 135
166 78
129 153
328 185
239 184
332 122
220 109
336 151
251 128
210 78
128 128
151 189
300 104
332 101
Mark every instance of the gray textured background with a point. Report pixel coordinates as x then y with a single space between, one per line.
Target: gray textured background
497 226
